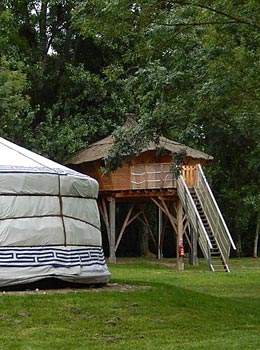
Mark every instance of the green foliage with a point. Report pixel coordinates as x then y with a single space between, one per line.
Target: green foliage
15 112
71 70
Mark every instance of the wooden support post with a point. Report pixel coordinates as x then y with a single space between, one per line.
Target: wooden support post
125 224
112 222
165 221
166 210
104 215
188 235
180 248
159 233
194 238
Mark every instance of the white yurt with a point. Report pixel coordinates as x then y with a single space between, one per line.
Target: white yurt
49 221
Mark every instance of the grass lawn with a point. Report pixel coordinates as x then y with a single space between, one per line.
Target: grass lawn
193 309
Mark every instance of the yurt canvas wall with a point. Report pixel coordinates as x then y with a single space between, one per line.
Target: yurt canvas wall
49 221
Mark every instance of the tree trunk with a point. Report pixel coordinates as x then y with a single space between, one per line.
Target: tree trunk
43 30
255 255
143 245
239 246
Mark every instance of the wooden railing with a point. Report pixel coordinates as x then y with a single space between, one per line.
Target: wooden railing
148 176
213 215
189 174
194 219
159 175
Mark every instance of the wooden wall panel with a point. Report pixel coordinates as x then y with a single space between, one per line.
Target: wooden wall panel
121 178
114 181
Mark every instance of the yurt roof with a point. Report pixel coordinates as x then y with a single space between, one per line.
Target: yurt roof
100 149
14 158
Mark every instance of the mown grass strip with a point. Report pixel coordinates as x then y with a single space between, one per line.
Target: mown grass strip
194 309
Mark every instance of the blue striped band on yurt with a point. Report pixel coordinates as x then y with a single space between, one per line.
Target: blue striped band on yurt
51 256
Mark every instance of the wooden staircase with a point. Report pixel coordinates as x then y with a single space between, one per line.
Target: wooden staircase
206 221
215 260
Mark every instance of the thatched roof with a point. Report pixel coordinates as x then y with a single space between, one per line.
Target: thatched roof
97 150
100 149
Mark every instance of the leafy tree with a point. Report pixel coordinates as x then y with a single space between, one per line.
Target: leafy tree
62 85
188 70
70 70
16 115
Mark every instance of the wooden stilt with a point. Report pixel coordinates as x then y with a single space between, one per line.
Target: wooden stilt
125 224
194 238
186 227
165 221
104 215
163 206
112 221
166 210
179 212
159 253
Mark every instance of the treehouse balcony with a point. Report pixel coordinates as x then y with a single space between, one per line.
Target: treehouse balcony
159 176
140 178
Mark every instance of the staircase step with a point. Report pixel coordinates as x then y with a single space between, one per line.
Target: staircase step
217 263
216 260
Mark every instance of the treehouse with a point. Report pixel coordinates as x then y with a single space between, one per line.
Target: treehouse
185 201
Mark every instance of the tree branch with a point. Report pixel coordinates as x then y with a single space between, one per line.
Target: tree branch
230 16
194 24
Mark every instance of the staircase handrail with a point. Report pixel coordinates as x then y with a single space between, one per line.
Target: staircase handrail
212 212
194 217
